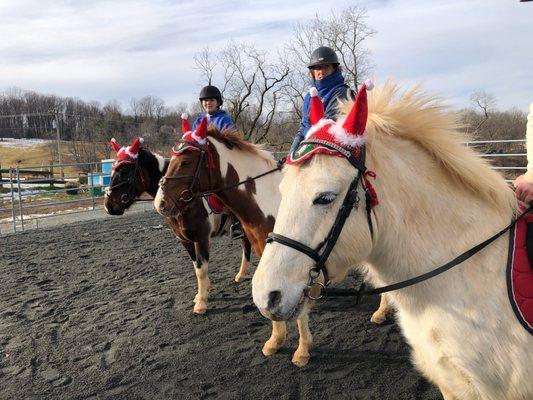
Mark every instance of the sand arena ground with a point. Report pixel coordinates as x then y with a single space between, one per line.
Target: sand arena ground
102 309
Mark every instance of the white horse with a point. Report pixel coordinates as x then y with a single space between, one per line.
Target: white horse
437 199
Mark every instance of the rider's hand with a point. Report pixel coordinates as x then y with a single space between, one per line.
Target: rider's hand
523 189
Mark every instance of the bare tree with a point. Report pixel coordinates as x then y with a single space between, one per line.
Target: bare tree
205 64
250 85
485 102
148 107
346 33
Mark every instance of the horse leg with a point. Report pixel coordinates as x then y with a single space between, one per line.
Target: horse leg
245 262
279 334
189 246
385 309
301 356
201 268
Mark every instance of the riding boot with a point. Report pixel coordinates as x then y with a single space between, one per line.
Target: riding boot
235 230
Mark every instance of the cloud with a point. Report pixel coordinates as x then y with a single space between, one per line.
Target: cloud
456 47
103 50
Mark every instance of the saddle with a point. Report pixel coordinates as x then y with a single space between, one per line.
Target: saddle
215 204
520 272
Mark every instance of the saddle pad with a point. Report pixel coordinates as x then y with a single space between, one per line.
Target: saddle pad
520 273
215 204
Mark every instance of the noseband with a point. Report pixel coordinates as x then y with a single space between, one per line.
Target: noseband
130 181
351 200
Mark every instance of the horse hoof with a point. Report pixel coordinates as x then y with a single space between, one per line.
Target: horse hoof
271 347
300 360
378 318
200 307
240 278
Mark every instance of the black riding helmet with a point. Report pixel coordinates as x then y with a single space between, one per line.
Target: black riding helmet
323 55
211 92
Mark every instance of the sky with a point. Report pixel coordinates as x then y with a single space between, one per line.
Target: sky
119 50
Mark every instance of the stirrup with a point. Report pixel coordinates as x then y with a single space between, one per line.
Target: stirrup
235 231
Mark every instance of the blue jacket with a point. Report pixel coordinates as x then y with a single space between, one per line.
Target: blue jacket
330 90
220 118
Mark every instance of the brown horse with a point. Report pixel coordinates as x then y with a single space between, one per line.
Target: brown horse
136 171
209 161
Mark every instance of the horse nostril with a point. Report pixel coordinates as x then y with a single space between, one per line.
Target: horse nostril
274 299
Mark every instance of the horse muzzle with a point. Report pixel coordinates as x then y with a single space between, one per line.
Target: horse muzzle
277 310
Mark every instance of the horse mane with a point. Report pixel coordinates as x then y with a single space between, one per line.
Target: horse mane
423 119
232 138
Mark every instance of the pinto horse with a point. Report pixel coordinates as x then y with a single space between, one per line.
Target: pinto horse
424 198
136 171
209 161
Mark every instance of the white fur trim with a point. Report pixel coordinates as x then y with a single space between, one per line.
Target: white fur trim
319 125
114 140
344 138
184 116
198 139
313 92
369 84
141 140
129 153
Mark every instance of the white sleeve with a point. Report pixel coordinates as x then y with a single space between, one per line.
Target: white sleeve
529 145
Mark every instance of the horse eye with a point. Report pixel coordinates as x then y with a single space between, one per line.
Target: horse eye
184 163
325 198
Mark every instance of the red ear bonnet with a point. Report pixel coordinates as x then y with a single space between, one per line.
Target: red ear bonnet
126 153
186 129
200 134
316 107
355 122
133 149
347 133
114 145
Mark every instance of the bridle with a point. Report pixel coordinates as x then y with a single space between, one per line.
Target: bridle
189 194
130 194
351 200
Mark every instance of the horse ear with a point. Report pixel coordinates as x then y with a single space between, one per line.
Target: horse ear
316 107
135 145
185 126
355 122
114 145
200 133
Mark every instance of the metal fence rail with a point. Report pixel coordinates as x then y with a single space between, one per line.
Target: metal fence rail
30 200
34 194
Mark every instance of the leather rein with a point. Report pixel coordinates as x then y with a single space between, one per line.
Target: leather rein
351 201
190 194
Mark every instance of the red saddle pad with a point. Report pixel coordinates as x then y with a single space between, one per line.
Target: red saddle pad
520 274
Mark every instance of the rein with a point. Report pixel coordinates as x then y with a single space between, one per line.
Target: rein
351 201
188 195
437 271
